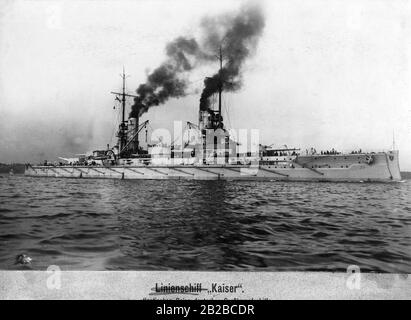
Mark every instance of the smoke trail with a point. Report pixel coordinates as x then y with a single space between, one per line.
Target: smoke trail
238 41
238 36
165 82
160 86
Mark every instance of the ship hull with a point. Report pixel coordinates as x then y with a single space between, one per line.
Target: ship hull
349 168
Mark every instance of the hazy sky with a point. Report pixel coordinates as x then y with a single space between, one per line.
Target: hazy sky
326 73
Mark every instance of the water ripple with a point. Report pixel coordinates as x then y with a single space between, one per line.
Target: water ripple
205 225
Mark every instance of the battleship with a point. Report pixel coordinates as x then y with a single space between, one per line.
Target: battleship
210 152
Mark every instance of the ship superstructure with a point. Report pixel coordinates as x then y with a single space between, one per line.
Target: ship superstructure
213 153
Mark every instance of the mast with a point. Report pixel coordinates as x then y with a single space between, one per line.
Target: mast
211 119
220 117
123 99
122 133
220 86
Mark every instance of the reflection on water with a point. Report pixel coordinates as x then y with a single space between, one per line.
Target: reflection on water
204 225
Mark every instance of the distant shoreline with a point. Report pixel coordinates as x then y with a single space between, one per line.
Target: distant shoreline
406 175
17 167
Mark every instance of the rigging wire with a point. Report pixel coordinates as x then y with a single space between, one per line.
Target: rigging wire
184 129
115 124
227 111
150 127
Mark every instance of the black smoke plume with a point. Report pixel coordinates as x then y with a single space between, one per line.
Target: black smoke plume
238 40
237 36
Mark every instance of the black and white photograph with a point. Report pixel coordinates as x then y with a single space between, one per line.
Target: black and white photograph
205 150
